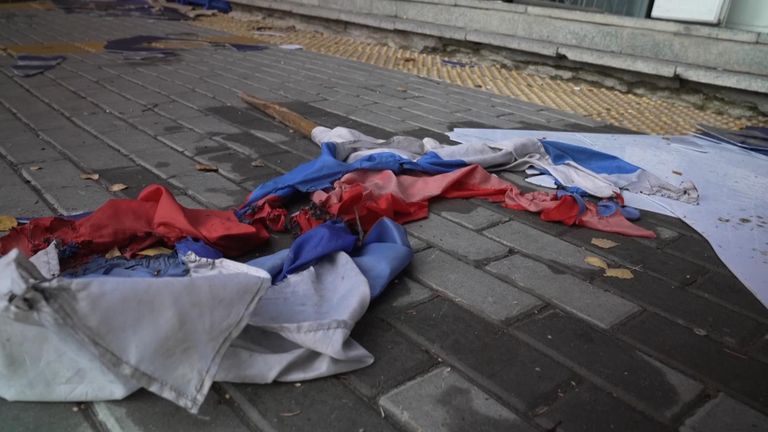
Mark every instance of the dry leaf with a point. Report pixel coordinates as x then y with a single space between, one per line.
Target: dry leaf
89 176
115 252
206 168
596 262
290 414
117 187
8 222
604 243
35 168
620 273
675 172
257 163
155 251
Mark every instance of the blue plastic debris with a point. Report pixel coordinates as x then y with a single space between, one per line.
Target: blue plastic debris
219 5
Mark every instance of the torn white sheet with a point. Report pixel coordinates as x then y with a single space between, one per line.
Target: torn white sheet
730 215
543 180
103 338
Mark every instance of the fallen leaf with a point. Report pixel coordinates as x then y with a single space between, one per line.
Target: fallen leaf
290 414
115 252
596 262
89 176
257 163
117 187
675 172
155 251
206 168
35 168
8 222
604 243
620 273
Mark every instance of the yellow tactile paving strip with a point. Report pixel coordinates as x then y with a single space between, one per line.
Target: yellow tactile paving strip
19 6
640 113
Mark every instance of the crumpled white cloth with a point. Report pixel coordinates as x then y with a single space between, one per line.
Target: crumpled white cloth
300 328
103 338
515 154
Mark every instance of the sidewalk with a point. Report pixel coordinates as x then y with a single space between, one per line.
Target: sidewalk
498 324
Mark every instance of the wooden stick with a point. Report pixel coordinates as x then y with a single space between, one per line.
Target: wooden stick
285 116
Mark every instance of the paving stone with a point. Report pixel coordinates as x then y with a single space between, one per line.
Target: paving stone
566 291
711 361
285 161
302 146
401 292
444 400
86 149
176 110
611 363
143 411
14 128
725 414
67 197
236 166
663 235
25 201
760 349
470 286
136 178
587 408
546 247
465 213
28 148
192 143
211 188
336 107
728 289
33 417
165 87
698 250
427 123
209 124
165 161
315 404
456 239
196 100
514 372
685 307
100 122
154 124
634 254
131 140
417 244
114 103
397 358
380 120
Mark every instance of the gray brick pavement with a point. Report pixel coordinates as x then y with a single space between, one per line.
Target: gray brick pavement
536 339
470 286
565 291
444 400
